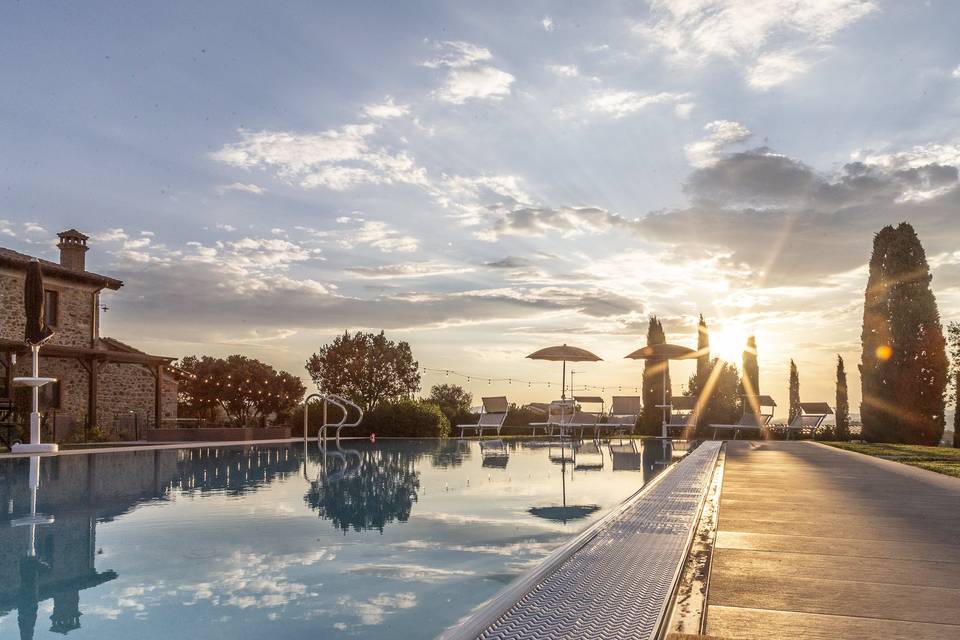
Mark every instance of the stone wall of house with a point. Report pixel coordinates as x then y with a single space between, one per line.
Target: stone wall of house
169 399
125 388
75 324
74 382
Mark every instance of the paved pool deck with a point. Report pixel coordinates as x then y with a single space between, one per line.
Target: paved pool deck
815 542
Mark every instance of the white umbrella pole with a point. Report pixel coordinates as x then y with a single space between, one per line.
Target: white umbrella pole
35 391
563 385
663 425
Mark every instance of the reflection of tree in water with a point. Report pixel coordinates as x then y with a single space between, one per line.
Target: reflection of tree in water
378 489
450 453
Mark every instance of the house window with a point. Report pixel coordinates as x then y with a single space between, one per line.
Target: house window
50 396
51 307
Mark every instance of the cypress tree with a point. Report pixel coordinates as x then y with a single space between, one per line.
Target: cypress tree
751 368
842 431
875 338
794 392
703 349
652 416
905 384
953 341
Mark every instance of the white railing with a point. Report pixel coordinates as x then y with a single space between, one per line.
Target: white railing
338 401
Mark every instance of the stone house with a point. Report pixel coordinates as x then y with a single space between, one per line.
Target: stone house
100 381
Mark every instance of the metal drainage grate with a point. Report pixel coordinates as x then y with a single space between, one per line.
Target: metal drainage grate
618 584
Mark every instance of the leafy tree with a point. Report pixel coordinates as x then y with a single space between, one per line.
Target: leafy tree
245 389
842 430
454 401
366 368
722 388
953 341
653 383
794 392
904 370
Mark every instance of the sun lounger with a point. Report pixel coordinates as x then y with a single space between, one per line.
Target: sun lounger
810 418
559 413
623 416
493 416
757 414
682 419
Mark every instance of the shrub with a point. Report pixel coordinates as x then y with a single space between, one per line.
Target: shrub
406 419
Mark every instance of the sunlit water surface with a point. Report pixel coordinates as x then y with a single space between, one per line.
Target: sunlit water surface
394 540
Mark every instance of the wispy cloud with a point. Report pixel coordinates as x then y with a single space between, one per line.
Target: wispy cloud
468 76
720 135
623 103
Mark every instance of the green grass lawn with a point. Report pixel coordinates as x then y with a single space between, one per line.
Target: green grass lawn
945 460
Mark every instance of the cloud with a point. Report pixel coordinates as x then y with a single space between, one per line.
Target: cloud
384 237
336 159
773 41
720 134
547 23
564 70
405 270
566 221
243 187
467 78
386 109
623 103
510 262
956 72
684 109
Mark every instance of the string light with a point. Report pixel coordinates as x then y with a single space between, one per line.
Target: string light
470 377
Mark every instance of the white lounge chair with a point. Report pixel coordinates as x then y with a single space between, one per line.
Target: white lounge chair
493 416
682 415
623 416
757 414
559 414
810 418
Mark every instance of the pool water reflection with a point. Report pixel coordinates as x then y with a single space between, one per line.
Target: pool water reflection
397 539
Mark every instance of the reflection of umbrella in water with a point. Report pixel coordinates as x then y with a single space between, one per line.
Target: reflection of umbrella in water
565 354
564 512
662 353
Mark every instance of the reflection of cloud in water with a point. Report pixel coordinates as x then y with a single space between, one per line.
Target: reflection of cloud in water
373 611
530 547
252 580
407 572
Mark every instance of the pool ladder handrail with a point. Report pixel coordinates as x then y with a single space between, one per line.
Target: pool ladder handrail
335 400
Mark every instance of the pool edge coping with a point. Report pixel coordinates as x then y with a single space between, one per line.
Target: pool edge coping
482 617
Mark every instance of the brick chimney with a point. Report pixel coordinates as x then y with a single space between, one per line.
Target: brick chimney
73 248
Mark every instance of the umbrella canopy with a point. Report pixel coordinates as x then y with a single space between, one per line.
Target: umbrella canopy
37 331
564 353
563 514
663 352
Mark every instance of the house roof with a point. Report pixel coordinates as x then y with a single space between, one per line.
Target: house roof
17 260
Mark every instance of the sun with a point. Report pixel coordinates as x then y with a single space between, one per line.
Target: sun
728 344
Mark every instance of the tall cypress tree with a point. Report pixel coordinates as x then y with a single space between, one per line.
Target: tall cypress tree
842 431
653 371
794 392
875 339
703 349
751 368
953 341
904 389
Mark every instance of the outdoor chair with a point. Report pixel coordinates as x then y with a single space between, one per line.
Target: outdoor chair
810 418
757 414
682 419
493 415
623 416
559 414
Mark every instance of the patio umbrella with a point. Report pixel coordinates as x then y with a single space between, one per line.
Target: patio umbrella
663 353
564 353
37 331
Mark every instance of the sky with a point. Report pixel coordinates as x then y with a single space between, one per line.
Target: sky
486 179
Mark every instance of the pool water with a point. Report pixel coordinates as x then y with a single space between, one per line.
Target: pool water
397 539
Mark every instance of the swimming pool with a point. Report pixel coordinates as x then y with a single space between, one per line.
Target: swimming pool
397 539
